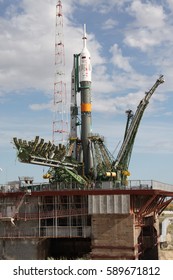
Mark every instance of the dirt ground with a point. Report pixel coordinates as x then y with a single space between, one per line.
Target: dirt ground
165 254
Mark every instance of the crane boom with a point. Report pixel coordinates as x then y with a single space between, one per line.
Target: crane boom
123 157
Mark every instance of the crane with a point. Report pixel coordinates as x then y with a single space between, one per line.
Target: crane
120 165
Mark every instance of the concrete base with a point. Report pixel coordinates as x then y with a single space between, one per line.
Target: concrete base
41 249
113 237
23 249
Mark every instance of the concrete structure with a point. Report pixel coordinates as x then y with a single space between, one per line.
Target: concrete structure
103 223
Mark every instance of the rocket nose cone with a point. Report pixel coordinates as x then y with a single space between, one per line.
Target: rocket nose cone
85 52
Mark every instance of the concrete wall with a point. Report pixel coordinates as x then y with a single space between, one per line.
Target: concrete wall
108 204
22 249
19 229
113 236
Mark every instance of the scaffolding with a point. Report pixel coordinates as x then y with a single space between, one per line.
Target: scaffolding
24 215
64 213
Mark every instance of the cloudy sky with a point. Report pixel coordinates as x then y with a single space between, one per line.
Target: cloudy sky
131 44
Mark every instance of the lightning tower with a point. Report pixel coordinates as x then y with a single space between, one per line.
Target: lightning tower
60 105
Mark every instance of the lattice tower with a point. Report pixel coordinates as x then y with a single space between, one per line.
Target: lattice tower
60 120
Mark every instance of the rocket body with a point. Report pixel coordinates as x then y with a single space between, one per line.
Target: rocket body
85 88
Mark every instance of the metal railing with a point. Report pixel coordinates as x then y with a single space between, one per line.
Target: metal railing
53 214
49 232
132 184
149 184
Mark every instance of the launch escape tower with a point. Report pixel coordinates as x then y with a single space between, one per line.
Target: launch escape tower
60 104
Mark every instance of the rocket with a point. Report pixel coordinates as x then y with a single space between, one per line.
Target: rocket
85 70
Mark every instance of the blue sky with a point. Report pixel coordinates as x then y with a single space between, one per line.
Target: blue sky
131 44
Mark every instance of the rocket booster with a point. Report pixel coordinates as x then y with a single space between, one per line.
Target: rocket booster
85 70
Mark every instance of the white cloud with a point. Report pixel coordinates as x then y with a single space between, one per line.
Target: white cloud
26 48
100 5
118 104
27 52
109 24
168 114
148 14
143 39
119 60
150 139
149 27
113 96
169 3
40 106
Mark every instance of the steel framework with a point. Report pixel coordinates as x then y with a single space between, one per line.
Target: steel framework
64 213
60 122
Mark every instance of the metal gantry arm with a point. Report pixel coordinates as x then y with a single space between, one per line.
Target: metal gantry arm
47 154
123 157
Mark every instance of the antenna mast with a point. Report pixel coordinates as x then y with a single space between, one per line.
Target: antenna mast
60 121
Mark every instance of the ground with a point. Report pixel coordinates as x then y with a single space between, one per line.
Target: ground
167 253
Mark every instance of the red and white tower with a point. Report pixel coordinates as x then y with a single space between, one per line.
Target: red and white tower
60 121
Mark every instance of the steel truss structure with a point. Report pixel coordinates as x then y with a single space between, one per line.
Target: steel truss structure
64 213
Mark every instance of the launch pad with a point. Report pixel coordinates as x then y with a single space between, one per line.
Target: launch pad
104 224
88 205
